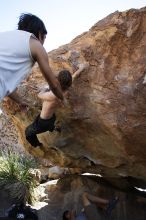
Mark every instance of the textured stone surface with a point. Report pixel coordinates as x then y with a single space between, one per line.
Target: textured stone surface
67 195
104 125
9 136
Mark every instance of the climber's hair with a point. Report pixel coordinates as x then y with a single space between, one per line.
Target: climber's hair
65 79
31 23
64 215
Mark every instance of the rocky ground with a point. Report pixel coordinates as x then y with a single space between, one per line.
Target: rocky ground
55 197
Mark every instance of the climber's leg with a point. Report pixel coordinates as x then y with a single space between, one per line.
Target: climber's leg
33 140
39 126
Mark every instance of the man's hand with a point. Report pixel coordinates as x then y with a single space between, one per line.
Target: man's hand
83 66
40 55
43 89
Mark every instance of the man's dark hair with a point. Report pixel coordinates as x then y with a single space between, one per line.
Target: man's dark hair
65 79
64 215
33 24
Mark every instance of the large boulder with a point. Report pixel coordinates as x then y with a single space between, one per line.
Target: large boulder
9 136
104 124
67 195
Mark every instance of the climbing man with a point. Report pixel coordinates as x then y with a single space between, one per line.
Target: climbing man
45 121
90 210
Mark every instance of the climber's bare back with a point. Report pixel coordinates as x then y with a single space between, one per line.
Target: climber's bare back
49 105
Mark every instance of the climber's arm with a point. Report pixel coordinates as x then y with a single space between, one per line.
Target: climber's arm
47 96
40 55
82 67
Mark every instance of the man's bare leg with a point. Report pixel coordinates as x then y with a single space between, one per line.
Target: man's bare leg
105 204
85 199
95 199
90 209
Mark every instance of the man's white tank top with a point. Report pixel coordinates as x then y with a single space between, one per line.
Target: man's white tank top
15 60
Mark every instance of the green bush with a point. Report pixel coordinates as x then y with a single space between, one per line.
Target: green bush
15 176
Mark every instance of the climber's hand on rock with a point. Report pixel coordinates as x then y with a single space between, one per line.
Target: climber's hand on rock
83 66
44 89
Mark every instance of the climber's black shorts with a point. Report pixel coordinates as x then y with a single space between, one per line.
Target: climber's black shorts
42 125
37 127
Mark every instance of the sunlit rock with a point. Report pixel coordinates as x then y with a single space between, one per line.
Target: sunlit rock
104 124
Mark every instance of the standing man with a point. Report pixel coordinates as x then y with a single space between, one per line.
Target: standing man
19 50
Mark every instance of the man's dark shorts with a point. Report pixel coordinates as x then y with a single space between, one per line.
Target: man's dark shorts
42 125
37 127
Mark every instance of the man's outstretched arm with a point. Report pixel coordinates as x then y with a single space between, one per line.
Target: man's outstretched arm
82 67
40 55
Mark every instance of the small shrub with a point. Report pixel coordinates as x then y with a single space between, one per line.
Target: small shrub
15 176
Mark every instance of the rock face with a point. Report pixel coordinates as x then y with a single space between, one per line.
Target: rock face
67 195
9 136
104 125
